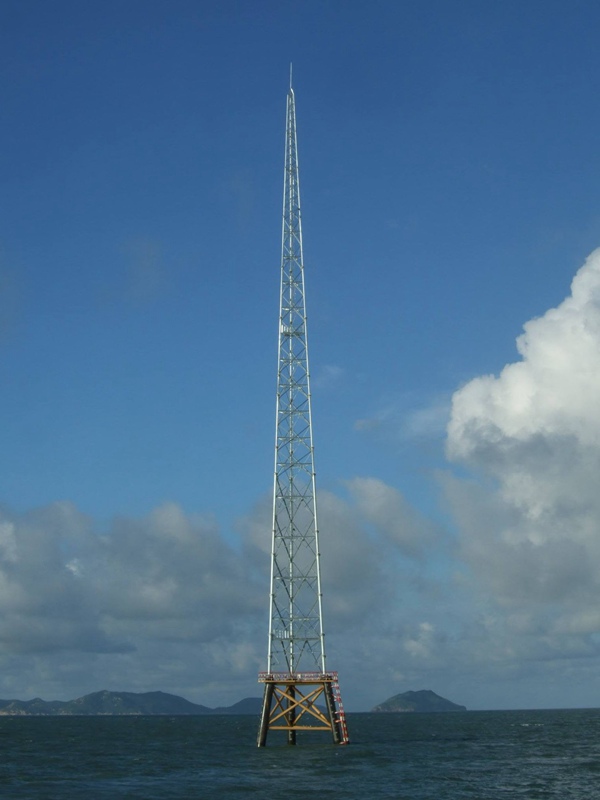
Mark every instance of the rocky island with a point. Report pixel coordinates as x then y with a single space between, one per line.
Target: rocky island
122 704
422 701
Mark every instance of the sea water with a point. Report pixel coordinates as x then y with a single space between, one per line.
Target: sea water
524 755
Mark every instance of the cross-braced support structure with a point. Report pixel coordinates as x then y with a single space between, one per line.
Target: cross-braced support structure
299 693
302 701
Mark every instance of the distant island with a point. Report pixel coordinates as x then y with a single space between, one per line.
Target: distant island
417 702
106 703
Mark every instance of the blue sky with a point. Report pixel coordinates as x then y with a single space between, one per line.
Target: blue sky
449 172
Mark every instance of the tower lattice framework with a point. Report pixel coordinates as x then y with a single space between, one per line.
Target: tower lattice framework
300 694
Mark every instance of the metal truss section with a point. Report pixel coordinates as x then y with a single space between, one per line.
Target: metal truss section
296 631
296 640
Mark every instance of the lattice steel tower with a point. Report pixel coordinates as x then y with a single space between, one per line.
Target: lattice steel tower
299 693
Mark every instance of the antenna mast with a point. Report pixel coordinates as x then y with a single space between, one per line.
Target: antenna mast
296 675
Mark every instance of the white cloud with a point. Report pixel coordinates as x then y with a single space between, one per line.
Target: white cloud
552 392
165 578
529 521
168 602
394 518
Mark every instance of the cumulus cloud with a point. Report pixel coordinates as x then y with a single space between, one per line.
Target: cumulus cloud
168 601
551 392
351 570
174 573
44 606
165 580
386 508
530 514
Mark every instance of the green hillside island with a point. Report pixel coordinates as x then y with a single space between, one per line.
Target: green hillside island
419 702
122 704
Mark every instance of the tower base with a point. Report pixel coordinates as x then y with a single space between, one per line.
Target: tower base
290 704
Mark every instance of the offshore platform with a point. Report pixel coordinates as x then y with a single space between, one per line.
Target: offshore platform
299 693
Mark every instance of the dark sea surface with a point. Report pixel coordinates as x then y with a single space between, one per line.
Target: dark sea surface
479 754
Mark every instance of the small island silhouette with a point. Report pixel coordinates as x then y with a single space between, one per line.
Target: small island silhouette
422 701
123 704
105 703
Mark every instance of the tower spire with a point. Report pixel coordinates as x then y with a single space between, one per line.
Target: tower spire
296 675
